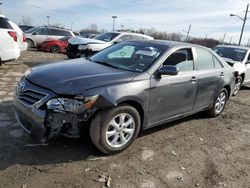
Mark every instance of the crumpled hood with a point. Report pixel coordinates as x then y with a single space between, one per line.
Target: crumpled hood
75 76
80 40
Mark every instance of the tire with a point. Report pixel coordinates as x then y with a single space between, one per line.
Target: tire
219 103
30 43
238 86
55 49
103 131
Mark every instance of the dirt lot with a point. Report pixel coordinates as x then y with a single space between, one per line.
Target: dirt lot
193 152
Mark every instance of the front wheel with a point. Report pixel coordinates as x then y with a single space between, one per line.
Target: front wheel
237 86
114 130
219 103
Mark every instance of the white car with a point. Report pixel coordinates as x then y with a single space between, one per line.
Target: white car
9 48
38 35
239 58
21 39
78 46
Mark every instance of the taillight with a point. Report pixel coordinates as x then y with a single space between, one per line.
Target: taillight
13 35
24 38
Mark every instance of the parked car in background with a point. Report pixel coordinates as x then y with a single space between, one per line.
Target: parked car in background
9 48
21 39
38 35
88 35
25 27
54 46
125 88
239 58
79 46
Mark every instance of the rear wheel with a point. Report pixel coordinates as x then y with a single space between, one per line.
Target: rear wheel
237 86
219 104
55 49
114 130
30 43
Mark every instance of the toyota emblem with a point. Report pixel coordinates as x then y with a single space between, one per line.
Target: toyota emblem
21 86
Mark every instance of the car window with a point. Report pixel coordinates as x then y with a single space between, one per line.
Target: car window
135 37
132 56
236 54
217 63
125 37
43 31
183 59
4 24
107 37
204 59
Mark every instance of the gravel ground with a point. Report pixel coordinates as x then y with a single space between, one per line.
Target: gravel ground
194 152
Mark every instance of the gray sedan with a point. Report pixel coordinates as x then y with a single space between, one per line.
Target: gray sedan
118 92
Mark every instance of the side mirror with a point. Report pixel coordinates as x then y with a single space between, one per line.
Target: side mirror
118 41
168 70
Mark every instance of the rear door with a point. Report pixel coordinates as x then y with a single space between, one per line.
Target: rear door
171 96
40 35
7 43
210 77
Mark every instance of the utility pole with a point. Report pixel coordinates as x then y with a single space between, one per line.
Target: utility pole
230 42
114 17
48 17
223 39
244 22
188 32
0 7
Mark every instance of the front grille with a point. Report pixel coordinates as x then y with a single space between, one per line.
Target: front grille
30 97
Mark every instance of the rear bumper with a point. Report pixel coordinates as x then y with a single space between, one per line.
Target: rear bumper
30 119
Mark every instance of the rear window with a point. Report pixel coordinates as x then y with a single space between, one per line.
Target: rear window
4 24
58 32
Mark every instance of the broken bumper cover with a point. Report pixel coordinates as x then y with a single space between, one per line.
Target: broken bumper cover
30 119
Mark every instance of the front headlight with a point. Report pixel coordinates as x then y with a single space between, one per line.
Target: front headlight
76 105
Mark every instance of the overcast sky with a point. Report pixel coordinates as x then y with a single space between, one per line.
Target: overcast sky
209 17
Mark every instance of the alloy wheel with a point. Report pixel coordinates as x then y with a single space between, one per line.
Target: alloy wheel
220 102
120 130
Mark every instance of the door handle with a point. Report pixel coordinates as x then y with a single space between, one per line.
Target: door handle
222 74
193 79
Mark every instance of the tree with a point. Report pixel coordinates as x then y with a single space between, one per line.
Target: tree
93 28
26 20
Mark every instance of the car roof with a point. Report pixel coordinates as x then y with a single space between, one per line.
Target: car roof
2 16
53 28
170 44
234 46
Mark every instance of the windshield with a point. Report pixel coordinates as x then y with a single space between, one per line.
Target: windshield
107 37
236 54
131 56
31 30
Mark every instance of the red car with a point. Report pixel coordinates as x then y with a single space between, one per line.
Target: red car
54 46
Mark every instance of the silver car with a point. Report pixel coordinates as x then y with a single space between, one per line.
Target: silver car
38 35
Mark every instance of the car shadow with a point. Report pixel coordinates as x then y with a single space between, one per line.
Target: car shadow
28 151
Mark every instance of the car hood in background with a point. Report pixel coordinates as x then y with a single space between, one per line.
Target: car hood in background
75 76
80 40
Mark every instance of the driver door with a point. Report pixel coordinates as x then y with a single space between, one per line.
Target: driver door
171 96
247 64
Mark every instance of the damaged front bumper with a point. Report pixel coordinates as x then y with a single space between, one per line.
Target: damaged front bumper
45 124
